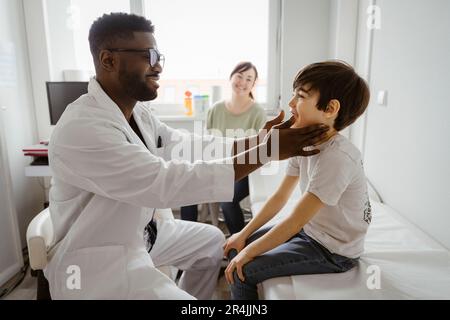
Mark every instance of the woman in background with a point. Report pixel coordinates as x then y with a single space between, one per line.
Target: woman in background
235 117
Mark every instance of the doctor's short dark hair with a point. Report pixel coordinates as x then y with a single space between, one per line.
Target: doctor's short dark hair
110 27
336 80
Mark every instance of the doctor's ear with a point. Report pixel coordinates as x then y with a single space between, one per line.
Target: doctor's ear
107 60
332 108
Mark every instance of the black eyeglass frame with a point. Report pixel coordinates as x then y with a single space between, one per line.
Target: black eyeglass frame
153 54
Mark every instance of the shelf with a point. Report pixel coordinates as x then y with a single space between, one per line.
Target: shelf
180 118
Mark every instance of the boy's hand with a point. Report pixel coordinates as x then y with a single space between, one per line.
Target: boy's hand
237 263
235 241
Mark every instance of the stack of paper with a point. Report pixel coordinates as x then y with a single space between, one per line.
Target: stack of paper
37 150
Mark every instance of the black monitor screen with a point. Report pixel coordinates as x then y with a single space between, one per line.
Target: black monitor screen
60 94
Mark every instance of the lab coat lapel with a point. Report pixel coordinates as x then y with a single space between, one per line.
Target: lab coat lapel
143 122
105 102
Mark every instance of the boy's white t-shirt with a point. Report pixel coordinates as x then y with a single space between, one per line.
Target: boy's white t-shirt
336 176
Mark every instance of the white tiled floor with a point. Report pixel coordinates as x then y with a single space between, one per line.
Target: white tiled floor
26 290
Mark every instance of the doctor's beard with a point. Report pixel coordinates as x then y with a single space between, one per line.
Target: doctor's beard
136 87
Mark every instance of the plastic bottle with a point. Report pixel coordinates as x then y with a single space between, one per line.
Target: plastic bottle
188 103
205 103
198 100
201 104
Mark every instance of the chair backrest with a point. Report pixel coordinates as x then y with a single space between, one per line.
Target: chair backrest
40 239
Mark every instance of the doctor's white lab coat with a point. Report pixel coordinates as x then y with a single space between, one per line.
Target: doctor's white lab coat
105 186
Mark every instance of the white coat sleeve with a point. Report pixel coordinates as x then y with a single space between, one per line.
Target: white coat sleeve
182 145
97 156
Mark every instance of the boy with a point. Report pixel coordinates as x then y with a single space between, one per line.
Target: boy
325 231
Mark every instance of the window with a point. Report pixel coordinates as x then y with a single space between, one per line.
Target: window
68 23
203 40
84 13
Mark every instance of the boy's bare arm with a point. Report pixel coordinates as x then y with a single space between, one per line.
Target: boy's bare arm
269 210
308 206
272 206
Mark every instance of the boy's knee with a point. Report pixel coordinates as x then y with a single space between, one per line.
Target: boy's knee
238 283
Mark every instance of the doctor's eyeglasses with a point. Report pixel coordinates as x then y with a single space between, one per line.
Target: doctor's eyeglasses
154 56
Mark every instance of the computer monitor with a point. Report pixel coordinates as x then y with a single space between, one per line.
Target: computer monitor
61 94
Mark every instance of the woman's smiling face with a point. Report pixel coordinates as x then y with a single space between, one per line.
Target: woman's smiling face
242 82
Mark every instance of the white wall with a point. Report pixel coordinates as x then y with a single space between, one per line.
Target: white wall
40 61
407 142
305 38
363 53
18 116
343 35
10 248
343 30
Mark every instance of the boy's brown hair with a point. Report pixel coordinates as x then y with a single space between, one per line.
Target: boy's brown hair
336 80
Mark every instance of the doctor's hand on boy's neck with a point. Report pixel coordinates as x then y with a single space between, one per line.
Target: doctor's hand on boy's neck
305 110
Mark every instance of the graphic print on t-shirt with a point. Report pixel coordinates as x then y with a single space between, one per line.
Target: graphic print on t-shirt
367 212
367 207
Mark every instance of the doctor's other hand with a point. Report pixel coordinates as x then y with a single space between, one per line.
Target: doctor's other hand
235 241
275 123
271 123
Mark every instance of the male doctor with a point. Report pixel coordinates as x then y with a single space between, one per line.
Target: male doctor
112 165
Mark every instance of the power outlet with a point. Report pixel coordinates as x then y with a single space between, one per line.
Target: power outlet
382 98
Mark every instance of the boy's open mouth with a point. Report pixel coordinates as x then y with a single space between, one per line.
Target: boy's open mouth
294 113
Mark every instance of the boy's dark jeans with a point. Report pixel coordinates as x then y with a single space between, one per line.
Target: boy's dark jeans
232 212
299 255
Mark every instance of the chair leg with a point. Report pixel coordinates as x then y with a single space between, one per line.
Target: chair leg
203 212
33 273
43 290
214 209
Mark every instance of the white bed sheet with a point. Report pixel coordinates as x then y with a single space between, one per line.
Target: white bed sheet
411 265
